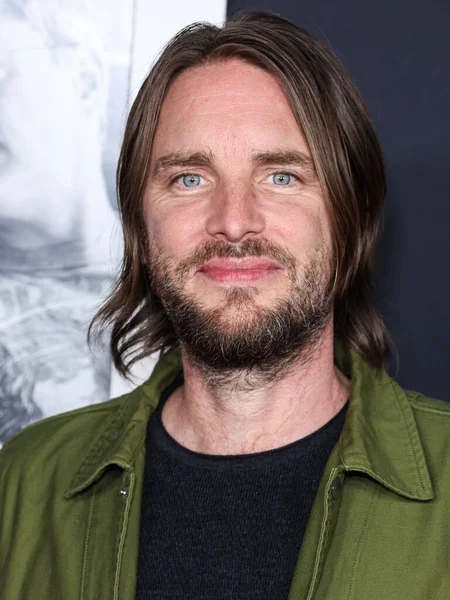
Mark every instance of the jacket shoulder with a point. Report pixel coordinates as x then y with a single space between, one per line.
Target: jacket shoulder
69 422
432 418
425 404
58 442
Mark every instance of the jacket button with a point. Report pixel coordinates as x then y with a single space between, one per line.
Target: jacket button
123 492
336 489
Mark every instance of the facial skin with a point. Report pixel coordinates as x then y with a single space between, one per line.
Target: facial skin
236 220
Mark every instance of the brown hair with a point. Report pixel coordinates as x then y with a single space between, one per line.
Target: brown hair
346 154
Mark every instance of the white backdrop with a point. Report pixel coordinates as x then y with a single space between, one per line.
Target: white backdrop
64 83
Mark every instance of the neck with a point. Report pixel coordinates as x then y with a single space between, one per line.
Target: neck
232 417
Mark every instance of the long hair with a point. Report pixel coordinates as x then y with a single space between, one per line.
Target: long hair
344 147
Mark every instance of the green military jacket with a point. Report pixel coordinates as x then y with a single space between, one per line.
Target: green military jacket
70 494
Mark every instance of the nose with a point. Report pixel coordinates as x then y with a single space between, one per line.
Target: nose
234 214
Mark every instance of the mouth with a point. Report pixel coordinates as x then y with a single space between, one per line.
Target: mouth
239 270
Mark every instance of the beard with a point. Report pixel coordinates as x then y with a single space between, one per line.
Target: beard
239 337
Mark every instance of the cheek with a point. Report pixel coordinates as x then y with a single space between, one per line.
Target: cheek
156 232
173 230
302 228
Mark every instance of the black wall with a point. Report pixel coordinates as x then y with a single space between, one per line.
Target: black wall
398 53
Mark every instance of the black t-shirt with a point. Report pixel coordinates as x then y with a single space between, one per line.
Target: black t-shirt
225 527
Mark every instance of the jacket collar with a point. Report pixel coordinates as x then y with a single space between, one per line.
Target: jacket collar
125 428
379 438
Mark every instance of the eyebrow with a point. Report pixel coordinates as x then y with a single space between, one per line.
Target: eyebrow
284 157
205 159
180 160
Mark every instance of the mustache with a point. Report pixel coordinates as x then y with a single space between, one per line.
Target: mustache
250 247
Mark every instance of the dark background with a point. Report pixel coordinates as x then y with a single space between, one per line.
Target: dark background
398 53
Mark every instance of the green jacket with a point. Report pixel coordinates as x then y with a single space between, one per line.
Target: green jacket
70 490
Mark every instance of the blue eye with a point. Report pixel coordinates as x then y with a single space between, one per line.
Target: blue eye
281 179
191 180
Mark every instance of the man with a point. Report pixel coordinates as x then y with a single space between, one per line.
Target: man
269 455
56 219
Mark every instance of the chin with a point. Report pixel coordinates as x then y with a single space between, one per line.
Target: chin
240 295
240 314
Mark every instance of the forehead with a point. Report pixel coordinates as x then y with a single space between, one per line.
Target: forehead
230 77
224 101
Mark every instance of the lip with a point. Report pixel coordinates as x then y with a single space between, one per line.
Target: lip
235 270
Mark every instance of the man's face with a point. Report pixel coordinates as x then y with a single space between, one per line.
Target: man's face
239 239
39 116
